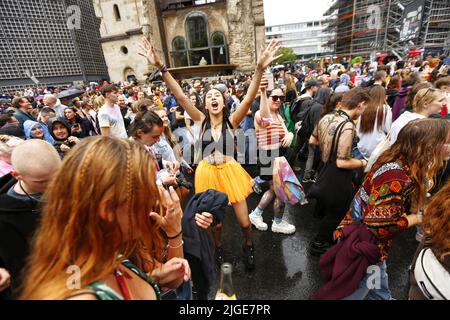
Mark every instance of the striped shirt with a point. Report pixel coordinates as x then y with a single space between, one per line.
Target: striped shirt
270 134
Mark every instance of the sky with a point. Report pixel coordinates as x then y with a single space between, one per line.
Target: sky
293 11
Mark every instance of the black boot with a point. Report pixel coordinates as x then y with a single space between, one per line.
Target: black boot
318 248
249 256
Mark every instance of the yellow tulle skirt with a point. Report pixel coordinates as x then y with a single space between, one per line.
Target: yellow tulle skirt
229 178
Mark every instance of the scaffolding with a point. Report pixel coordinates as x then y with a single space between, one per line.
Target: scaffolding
352 24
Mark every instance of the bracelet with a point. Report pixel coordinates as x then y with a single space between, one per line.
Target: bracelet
179 246
163 69
174 237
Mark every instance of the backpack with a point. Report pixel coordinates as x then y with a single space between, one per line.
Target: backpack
303 123
431 277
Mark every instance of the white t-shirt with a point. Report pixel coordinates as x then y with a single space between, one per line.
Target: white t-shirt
111 117
369 141
402 121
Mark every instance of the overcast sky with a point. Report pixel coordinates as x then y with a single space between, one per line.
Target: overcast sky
292 11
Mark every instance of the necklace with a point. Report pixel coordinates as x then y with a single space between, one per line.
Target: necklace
27 194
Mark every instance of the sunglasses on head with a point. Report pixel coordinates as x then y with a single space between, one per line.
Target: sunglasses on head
275 98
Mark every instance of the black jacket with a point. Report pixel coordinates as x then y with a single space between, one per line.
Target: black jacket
18 222
197 241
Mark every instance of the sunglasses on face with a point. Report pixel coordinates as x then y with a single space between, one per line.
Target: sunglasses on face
276 98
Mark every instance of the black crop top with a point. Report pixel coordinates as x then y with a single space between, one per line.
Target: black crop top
226 144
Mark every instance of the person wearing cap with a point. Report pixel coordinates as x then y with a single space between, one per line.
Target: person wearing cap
230 102
298 110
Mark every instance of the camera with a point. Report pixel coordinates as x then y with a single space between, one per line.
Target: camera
182 181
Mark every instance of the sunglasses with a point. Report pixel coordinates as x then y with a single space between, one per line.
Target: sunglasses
275 98
426 93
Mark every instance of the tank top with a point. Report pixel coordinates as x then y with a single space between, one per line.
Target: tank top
271 133
104 292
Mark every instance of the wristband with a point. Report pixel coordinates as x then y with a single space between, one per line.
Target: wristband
163 69
174 237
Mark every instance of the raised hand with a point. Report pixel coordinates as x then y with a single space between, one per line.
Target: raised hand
149 51
267 55
171 221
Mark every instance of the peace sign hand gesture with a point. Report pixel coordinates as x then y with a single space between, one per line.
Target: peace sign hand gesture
171 221
267 55
149 51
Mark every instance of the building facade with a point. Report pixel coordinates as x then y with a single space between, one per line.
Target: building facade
49 42
307 39
196 37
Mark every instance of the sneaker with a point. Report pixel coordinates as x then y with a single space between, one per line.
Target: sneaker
283 227
257 221
249 256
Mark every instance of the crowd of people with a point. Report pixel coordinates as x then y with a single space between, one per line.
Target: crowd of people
128 183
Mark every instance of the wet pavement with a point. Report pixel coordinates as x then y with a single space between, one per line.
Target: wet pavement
284 268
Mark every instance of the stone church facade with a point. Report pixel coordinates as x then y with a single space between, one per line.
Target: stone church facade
195 35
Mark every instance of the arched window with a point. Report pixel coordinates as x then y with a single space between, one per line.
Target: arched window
219 48
197 31
199 46
116 12
179 52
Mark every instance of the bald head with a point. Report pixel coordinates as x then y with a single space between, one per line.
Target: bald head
35 158
50 100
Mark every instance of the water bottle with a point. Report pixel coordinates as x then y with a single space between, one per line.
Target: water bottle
226 290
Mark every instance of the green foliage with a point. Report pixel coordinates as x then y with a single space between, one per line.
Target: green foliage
287 55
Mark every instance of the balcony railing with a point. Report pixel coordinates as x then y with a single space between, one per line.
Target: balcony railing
182 4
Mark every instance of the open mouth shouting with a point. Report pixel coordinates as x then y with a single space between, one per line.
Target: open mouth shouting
214 106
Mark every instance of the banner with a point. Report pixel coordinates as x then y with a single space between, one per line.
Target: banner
412 20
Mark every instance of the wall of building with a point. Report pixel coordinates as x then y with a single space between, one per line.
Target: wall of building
137 19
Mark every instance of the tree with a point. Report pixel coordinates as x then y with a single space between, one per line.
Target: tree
287 55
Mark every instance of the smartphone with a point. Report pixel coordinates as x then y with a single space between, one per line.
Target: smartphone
269 77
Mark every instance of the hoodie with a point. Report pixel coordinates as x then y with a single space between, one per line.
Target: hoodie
18 222
29 125
400 102
51 124
343 83
58 142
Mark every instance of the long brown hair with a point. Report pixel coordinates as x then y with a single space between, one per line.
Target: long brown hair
420 147
436 222
375 109
98 170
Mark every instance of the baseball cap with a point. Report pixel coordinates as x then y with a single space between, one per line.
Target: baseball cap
311 83
221 87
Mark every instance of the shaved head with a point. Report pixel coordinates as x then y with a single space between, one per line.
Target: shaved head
50 100
35 157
